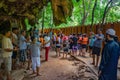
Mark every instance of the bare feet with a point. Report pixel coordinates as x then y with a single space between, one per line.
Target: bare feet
96 65
38 74
93 63
33 73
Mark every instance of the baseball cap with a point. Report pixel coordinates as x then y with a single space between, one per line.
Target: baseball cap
111 32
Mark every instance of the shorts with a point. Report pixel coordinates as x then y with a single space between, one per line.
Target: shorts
58 47
35 62
65 50
96 51
28 56
54 42
8 64
74 48
14 55
70 46
84 46
22 56
90 47
79 46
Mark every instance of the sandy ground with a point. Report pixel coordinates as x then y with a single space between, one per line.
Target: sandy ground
54 69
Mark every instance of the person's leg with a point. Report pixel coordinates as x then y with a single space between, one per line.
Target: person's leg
59 51
24 58
76 52
29 64
66 54
90 51
38 65
33 65
46 53
56 52
8 67
93 62
13 64
14 58
80 52
63 54
38 71
83 52
97 56
20 58
73 50
29 60
70 51
93 55
97 61
76 48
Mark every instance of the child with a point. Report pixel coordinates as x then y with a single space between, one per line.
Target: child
28 38
70 45
91 41
75 45
35 55
79 44
65 49
84 44
41 39
58 45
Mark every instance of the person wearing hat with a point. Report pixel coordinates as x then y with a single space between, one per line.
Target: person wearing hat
110 56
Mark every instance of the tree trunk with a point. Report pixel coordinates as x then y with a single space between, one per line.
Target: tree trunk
91 27
43 15
107 8
85 12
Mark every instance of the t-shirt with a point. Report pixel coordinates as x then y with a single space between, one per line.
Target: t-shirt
91 41
35 49
6 44
84 40
65 38
28 44
65 45
15 39
80 40
54 38
22 43
59 41
36 33
74 39
98 42
46 39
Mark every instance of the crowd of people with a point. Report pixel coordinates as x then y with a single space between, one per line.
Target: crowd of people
19 48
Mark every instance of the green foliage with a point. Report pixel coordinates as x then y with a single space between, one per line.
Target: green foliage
78 13
112 16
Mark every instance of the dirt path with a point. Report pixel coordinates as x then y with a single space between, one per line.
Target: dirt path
54 69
